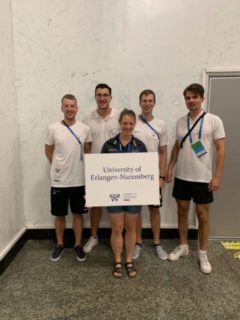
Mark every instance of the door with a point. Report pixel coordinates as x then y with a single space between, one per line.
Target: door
224 100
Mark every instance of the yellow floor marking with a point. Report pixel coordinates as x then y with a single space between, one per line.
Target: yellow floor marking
231 245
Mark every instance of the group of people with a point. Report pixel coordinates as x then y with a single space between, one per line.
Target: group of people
106 130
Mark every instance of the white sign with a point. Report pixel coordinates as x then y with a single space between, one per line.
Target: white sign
115 179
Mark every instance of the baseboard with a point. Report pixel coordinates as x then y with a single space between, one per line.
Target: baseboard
13 251
104 233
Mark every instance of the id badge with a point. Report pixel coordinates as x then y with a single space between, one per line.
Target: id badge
199 149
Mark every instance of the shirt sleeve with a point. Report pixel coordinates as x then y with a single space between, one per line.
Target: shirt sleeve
218 129
89 135
49 137
163 136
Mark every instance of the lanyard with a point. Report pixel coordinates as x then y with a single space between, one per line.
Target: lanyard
200 128
129 147
148 124
76 137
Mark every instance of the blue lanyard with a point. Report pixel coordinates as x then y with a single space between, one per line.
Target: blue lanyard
73 133
129 147
148 124
200 129
76 137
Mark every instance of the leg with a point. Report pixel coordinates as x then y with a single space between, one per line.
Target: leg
155 224
95 217
77 223
202 214
117 225
130 239
182 249
183 209
130 224
139 229
59 229
59 208
139 243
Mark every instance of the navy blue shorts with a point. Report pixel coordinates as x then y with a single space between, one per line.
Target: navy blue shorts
61 197
187 190
128 209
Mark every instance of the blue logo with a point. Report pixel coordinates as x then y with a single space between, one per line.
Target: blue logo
114 196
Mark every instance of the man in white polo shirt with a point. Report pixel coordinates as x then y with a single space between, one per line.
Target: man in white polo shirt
153 133
198 134
65 145
104 124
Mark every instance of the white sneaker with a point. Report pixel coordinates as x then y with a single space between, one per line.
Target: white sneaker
137 250
204 264
90 244
179 251
160 252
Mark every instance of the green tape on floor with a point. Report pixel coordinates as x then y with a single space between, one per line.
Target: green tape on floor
231 245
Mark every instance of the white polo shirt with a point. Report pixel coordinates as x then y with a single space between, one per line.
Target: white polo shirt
189 167
102 129
150 138
67 169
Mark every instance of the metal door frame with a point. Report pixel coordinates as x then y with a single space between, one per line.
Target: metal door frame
206 75
216 72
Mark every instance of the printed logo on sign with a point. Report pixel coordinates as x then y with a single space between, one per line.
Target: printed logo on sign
114 196
129 196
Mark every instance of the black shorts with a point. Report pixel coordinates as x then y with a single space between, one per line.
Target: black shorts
161 201
61 197
187 190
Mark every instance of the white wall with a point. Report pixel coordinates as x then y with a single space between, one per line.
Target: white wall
12 220
69 46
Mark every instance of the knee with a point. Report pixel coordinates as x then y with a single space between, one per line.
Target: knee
130 228
202 218
182 211
117 230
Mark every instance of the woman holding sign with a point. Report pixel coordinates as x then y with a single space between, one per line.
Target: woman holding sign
124 217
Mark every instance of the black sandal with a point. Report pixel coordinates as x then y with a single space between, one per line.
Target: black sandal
117 270
131 270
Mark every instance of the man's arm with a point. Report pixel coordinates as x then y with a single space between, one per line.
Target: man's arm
173 160
87 147
49 152
162 163
220 156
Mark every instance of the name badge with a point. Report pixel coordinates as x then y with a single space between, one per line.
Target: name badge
199 149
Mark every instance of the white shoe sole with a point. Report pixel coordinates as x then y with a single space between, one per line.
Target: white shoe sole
202 270
87 250
176 259
58 258
81 260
